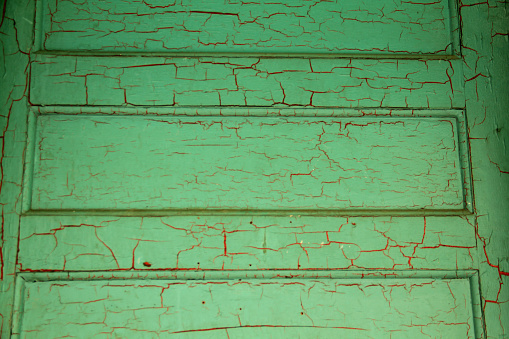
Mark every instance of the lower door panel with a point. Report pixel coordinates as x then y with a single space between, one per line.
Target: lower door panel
247 305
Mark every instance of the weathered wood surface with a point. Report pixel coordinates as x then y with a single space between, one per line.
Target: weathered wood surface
288 27
310 308
486 73
246 163
478 82
109 243
15 47
276 82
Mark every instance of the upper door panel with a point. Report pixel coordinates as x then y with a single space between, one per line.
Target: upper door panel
392 28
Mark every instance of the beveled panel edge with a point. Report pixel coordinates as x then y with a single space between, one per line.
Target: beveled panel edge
409 56
185 275
341 275
143 112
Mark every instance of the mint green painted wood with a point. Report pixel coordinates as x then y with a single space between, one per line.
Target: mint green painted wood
104 245
485 37
303 26
16 30
158 81
310 308
88 243
95 162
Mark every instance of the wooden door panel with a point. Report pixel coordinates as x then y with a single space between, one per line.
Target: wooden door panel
106 235
245 308
283 27
247 163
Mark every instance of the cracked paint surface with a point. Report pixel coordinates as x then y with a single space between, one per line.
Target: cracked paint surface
14 58
223 81
277 163
303 26
486 74
233 243
107 244
245 308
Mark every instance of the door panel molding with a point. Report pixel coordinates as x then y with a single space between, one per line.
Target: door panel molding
270 137
298 28
448 302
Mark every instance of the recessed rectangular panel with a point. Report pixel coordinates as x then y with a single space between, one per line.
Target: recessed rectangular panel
252 308
246 27
246 163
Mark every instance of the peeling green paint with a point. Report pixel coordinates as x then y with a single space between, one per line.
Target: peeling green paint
206 81
286 27
246 308
486 74
220 242
105 125
293 163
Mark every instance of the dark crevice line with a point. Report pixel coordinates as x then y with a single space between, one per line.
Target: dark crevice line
394 56
4 9
248 212
164 117
45 108
243 274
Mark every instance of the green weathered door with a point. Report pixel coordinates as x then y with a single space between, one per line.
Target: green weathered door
271 169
